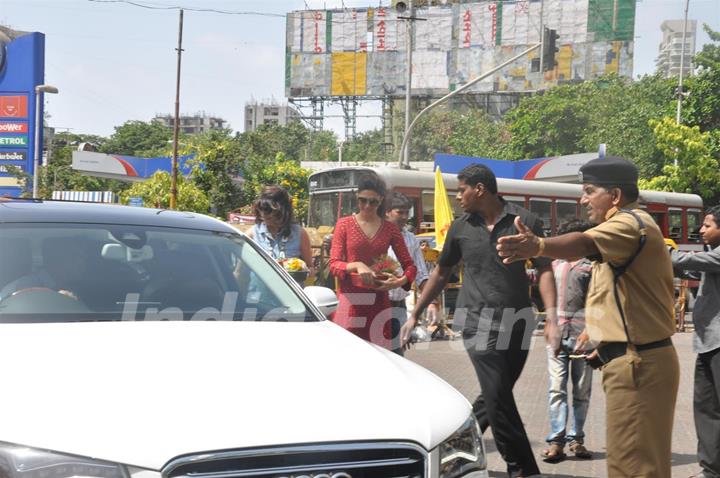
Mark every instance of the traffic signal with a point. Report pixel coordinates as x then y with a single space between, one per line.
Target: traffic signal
399 6
549 49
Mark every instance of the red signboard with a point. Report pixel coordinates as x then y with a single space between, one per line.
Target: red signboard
13 106
13 127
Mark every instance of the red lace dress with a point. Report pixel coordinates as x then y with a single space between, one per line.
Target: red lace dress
366 312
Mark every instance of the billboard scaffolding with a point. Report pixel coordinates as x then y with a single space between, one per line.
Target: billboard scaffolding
361 53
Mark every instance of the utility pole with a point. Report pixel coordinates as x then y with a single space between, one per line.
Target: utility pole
408 83
176 129
682 65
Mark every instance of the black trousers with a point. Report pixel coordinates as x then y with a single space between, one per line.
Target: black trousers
706 408
399 317
498 364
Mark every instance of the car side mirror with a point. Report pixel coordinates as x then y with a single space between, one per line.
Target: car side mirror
323 298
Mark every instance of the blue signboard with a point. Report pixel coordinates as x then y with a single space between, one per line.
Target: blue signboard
22 68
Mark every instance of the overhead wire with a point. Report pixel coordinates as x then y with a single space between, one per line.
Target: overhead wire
192 9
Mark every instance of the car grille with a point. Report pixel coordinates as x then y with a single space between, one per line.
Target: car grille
358 460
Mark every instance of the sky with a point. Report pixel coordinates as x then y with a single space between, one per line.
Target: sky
114 62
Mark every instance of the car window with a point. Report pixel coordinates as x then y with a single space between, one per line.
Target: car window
61 272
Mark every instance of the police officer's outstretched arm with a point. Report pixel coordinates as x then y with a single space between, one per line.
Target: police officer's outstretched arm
526 245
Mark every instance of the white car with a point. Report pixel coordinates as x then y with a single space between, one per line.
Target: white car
141 343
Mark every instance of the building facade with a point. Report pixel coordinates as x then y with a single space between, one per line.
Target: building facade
671 48
258 114
197 123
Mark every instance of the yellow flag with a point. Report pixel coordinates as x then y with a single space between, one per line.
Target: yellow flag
443 211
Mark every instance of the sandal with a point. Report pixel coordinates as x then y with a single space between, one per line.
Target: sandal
554 454
580 451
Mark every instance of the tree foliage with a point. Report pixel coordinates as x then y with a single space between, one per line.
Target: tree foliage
467 133
366 147
138 138
155 192
216 167
259 172
578 117
689 166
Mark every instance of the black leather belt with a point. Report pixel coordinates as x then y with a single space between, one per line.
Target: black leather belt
612 350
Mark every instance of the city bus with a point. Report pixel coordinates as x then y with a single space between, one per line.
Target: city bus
333 195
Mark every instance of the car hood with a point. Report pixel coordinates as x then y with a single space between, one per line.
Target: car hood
142 393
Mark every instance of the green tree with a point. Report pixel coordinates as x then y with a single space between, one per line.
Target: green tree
696 170
259 172
702 105
155 192
578 117
268 140
467 132
366 147
138 138
322 146
217 165
709 57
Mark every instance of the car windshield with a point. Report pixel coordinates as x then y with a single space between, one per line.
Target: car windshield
75 272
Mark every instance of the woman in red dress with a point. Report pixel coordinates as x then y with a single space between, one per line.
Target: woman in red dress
358 240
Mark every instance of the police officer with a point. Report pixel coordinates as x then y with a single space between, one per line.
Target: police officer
629 314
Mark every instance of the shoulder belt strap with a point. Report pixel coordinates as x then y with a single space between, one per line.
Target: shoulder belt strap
620 270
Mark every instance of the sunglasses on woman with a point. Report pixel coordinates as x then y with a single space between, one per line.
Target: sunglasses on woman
368 201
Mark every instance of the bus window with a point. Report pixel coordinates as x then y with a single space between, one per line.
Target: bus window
323 209
675 226
584 214
565 211
542 208
428 206
516 200
694 221
348 203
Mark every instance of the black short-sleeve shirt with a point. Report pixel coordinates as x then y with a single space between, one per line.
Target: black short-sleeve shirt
489 286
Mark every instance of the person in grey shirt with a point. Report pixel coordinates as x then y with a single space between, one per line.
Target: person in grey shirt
399 212
706 319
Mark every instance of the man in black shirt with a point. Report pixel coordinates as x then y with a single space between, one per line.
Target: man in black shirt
495 303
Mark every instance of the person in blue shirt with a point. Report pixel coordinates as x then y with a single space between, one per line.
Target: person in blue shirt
275 230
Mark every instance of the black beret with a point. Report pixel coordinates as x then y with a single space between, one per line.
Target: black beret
612 171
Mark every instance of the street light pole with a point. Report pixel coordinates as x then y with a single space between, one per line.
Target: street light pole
39 89
682 65
408 84
340 151
176 129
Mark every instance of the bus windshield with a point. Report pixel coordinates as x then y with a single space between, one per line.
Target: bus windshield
327 207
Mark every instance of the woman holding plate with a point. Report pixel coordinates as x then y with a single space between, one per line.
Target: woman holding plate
359 242
275 230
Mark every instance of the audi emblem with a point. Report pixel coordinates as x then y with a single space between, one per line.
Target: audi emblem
319 475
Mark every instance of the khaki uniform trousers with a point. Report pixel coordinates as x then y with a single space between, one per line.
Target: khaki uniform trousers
641 390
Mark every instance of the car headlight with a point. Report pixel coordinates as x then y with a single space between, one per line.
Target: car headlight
22 462
463 452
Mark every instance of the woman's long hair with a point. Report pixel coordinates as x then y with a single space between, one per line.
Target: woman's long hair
275 199
370 181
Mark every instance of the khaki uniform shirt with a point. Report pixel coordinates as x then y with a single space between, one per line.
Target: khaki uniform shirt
646 287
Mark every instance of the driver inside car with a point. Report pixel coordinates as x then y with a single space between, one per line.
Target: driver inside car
64 266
